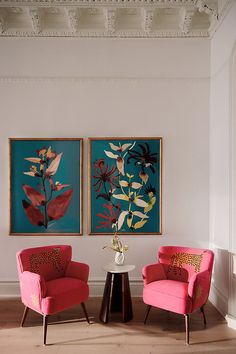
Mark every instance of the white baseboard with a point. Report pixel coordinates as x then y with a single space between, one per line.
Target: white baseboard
96 287
219 300
231 321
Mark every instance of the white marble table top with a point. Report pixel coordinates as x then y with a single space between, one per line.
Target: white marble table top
114 268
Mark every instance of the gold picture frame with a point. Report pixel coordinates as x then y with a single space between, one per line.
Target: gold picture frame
105 202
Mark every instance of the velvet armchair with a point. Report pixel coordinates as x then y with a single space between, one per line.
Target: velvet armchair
51 282
179 282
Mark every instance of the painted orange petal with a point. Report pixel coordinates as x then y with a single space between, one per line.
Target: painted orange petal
123 183
139 224
144 176
139 202
120 165
50 154
125 146
136 185
121 196
59 205
122 219
111 155
114 147
42 152
52 169
33 159
34 196
33 213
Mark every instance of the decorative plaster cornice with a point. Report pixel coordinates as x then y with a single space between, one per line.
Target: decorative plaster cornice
111 18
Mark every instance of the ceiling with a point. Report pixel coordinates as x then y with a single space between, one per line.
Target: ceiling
111 18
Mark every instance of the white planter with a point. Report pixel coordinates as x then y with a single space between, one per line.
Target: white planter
119 258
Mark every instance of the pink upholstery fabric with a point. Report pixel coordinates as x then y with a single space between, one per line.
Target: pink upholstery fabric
180 263
180 282
169 295
50 261
49 280
152 272
63 293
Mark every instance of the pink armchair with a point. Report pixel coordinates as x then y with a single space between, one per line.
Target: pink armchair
51 282
180 282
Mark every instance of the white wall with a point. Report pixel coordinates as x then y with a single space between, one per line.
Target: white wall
221 159
109 87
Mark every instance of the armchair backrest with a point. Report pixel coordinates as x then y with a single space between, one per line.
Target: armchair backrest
49 261
180 263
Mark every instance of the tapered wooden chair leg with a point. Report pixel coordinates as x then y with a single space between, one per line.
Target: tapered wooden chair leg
147 313
203 314
45 325
187 328
85 311
24 316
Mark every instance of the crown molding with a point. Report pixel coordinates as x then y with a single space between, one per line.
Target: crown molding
111 18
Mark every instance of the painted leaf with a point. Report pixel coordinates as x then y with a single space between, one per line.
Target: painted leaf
34 196
58 206
114 147
140 202
33 213
110 154
139 224
33 159
136 185
32 174
125 146
120 165
123 183
52 169
121 196
140 215
122 219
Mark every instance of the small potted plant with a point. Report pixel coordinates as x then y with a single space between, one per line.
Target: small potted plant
118 248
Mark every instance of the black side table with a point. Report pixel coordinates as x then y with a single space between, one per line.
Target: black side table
120 300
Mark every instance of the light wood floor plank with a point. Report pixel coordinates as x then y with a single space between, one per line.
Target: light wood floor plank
164 332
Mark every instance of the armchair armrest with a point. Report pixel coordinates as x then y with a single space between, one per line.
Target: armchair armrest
198 288
153 272
78 270
33 289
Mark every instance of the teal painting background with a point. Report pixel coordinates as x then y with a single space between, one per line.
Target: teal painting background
97 148
68 173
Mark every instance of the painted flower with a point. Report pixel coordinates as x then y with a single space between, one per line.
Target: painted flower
134 185
132 197
42 207
130 215
103 174
110 216
144 157
120 148
150 191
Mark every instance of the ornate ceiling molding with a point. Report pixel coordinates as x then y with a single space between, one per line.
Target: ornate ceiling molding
111 18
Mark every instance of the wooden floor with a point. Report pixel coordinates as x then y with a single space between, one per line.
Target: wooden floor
163 333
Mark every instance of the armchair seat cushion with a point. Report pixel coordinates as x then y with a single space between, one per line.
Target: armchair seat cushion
171 295
63 293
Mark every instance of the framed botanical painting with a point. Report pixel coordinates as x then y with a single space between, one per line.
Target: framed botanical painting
124 186
45 186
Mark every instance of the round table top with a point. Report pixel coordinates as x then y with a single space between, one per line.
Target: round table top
114 268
